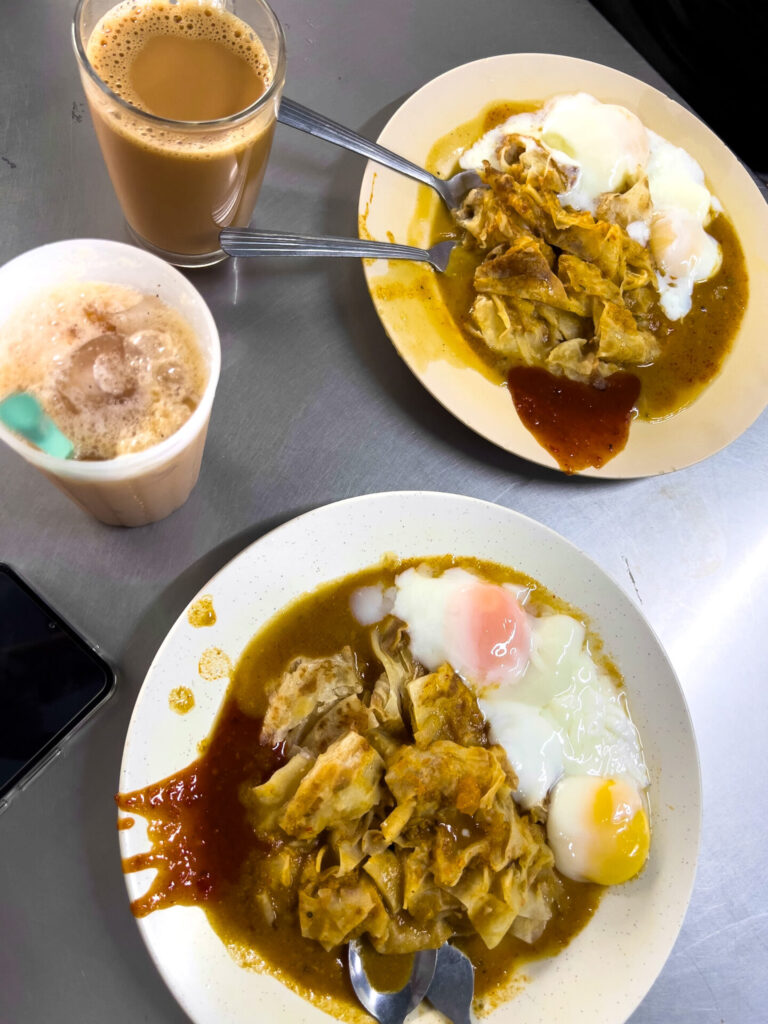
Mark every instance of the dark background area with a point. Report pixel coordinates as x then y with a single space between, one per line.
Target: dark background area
714 55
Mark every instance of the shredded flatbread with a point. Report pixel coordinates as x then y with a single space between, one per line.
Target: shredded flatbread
558 288
393 817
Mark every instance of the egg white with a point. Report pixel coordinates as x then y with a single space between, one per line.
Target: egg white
590 722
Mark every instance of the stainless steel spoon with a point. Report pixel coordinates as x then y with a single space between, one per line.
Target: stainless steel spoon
391 1007
249 242
453 984
451 190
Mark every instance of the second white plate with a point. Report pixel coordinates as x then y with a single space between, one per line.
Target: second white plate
608 968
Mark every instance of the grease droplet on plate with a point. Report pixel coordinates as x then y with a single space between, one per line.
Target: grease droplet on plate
215 664
201 613
181 700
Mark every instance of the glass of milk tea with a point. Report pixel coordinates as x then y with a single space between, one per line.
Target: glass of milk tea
122 354
183 95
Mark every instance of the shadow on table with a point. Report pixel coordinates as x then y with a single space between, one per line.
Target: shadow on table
104 753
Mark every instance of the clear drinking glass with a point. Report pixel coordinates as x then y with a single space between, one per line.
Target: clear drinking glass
180 182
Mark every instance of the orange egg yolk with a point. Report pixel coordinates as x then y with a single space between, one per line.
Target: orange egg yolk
492 631
622 835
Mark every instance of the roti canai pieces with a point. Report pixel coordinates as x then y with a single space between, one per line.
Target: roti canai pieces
597 255
351 816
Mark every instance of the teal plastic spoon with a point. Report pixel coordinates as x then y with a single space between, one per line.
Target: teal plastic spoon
24 415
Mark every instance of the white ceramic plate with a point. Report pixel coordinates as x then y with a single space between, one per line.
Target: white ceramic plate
388 205
609 967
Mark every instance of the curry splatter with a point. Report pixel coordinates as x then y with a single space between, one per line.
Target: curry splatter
181 700
215 664
201 613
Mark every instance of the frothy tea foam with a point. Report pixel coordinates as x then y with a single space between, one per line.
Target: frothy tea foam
180 61
117 371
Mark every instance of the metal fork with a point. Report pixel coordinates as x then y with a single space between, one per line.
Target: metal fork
249 242
451 190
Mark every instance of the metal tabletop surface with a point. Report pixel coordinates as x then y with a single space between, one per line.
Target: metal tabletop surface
314 405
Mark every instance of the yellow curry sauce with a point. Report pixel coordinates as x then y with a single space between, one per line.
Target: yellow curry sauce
204 849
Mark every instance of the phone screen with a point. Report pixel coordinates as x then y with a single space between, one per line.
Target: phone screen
50 679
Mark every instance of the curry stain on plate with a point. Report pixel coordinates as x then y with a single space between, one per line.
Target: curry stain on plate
362 221
181 700
214 664
434 329
124 823
428 331
202 613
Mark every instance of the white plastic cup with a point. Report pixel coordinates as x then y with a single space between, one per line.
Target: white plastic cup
142 487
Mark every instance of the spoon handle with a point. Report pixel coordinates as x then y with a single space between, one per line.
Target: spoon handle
296 116
249 242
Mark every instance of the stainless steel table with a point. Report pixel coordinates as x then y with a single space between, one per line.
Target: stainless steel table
314 405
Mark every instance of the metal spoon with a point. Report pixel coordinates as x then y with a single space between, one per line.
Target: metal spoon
391 1007
451 190
453 984
249 242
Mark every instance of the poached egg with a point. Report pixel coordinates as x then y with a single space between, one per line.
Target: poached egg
558 715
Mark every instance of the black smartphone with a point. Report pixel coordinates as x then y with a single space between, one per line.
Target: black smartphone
51 680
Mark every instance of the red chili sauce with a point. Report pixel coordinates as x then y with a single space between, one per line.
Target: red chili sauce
579 424
195 821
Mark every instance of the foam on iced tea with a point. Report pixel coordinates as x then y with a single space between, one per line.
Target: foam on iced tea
116 370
